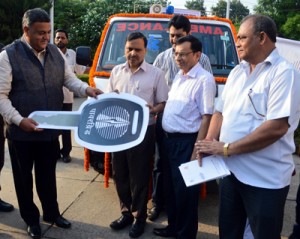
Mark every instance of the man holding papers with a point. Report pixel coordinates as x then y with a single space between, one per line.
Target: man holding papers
254 122
186 118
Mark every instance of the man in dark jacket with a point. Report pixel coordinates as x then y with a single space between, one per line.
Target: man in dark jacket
33 73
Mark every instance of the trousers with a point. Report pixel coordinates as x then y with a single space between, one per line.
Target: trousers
66 135
131 173
182 201
42 156
263 207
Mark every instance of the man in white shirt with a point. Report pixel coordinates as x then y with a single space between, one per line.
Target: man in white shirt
61 41
253 129
186 118
178 26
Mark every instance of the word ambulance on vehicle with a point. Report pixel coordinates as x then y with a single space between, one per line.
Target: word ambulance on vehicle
216 34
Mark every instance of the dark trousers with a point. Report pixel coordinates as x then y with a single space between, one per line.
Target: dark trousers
42 155
296 229
182 201
66 135
263 207
157 175
131 173
298 207
2 143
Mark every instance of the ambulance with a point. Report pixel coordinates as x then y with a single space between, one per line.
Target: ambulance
217 35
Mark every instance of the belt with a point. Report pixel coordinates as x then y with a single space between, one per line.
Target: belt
179 135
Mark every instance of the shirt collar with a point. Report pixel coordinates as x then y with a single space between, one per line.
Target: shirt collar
23 39
143 66
192 72
271 59
67 53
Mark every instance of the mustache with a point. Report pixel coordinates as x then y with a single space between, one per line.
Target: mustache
61 45
133 57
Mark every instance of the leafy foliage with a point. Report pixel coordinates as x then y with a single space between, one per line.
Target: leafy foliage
291 27
220 9
196 5
11 13
85 19
281 11
87 30
237 10
84 77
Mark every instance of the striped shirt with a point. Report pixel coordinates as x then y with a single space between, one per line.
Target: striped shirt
166 62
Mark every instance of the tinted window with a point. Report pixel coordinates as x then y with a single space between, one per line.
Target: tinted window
217 42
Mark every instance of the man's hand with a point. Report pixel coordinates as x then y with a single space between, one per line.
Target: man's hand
151 109
29 125
196 156
93 92
213 147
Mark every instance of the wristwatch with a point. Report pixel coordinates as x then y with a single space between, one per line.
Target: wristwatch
225 150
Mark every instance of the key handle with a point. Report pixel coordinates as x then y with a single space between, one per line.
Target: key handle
111 123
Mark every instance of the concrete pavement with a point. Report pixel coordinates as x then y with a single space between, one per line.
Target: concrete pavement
90 207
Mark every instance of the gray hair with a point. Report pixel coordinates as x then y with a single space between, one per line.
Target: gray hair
35 15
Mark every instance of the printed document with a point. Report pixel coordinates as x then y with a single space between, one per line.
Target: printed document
213 167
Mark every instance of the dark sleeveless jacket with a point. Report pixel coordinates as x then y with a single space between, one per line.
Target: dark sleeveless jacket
35 87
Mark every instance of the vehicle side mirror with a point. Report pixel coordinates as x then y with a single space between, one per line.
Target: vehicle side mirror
84 56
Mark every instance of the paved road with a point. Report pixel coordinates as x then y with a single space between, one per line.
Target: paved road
90 207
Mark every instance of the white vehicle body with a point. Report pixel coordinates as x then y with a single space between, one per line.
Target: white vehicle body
290 50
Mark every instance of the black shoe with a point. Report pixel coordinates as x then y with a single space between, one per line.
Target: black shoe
164 232
125 220
296 232
5 207
137 229
153 214
59 222
66 159
34 231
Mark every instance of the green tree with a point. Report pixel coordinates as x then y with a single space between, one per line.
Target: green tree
88 30
237 10
291 28
69 13
196 5
280 11
220 9
11 13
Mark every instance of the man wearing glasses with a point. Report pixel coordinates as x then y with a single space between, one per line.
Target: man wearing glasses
178 26
186 119
253 128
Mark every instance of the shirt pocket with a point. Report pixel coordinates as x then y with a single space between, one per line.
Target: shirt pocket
256 105
183 104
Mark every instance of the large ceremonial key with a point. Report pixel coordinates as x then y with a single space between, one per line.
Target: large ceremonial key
113 122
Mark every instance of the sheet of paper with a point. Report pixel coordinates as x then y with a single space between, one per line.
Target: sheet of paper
213 167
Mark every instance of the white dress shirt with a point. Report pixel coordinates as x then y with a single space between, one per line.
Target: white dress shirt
191 96
248 100
78 69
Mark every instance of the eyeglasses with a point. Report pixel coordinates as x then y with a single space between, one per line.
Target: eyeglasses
182 54
250 98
